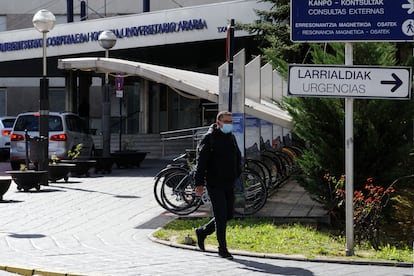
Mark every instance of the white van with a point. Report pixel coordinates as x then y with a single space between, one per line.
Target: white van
66 130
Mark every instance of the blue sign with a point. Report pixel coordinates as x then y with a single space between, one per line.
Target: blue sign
352 20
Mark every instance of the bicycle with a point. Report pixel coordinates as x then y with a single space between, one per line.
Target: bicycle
179 195
160 178
174 189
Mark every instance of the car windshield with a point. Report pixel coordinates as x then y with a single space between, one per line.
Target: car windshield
31 123
8 123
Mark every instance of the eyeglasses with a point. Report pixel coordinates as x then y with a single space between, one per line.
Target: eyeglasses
226 121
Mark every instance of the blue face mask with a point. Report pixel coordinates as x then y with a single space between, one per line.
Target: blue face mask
227 128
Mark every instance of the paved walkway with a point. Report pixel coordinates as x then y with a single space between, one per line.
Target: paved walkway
290 201
100 226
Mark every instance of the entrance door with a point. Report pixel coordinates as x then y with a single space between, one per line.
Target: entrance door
170 110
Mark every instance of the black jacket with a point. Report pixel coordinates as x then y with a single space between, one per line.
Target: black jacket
218 159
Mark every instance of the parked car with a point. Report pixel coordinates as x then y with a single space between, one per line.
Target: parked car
66 131
6 126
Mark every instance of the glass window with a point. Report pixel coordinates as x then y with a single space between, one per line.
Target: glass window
55 123
74 123
129 105
154 98
184 112
57 99
132 101
170 110
31 123
3 23
3 111
163 108
62 19
8 123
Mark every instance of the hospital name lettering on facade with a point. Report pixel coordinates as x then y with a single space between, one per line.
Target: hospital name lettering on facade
126 32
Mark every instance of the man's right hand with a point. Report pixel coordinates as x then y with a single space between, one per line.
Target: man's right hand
199 190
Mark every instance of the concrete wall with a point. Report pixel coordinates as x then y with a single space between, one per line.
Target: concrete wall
19 13
28 99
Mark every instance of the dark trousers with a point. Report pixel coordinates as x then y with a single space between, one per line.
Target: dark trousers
222 200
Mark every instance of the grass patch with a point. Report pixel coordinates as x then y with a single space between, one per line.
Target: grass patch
263 236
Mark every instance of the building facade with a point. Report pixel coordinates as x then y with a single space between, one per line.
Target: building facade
189 35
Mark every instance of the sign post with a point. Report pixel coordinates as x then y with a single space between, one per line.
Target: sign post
119 90
349 162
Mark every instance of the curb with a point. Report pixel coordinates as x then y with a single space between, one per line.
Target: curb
284 257
30 272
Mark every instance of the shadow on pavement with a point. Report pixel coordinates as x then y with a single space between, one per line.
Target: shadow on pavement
260 267
156 222
64 182
148 168
94 191
126 196
26 236
10 201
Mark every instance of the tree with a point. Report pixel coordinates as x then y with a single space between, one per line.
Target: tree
273 33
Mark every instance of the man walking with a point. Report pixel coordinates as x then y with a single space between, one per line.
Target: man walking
218 167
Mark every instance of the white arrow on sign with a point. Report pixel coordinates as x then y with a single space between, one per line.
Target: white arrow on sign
349 81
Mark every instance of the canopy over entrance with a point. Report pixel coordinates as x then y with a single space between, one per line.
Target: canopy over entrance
201 85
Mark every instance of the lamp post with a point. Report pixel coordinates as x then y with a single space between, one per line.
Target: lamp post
107 40
44 21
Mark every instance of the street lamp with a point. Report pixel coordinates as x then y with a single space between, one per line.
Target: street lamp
44 21
107 40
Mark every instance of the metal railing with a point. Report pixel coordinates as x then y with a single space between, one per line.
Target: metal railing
194 133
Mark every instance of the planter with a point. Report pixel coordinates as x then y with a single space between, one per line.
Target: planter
128 158
26 180
104 164
81 167
59 171
4 186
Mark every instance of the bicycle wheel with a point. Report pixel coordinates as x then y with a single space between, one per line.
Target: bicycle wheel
177 194
274 166
250 193
260 167
161 177
283 164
